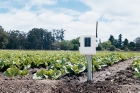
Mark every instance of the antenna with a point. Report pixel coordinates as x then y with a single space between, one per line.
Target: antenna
96 28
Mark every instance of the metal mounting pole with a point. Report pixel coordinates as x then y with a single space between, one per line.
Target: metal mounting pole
89 59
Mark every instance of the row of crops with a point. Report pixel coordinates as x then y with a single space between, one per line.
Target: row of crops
136 67
55 64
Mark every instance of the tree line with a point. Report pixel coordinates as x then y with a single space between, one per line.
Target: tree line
36 38
118 44
42 39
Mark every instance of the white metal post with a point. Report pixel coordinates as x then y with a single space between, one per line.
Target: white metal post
89 59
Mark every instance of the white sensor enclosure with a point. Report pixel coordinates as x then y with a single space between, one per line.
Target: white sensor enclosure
88 44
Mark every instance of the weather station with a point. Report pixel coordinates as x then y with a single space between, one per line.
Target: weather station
88 44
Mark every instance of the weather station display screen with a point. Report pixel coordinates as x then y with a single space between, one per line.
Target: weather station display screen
87 42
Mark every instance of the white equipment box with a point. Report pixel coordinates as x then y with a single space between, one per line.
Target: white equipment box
88 44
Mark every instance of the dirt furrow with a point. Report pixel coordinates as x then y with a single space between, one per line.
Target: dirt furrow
119 78
111 70
113 79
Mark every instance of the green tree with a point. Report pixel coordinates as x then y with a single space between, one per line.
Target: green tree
23 42
3 38
39 38
126 42
125 45
111 39
112 48
99 48
66 45
75 43
138 46
106 45
17 40
132 46
55 45
58 35
119 41
137 41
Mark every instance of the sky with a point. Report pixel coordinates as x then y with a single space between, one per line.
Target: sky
75 16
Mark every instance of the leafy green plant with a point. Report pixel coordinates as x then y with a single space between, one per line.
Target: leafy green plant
78 68
1 64
11 72
24 72
44 74
14 71
55 74
41 74
136 66
96 65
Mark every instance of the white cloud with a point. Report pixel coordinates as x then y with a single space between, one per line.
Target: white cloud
39 3
54 18
89 17
115 17
17 21
67 11
121 17
75 29
26 20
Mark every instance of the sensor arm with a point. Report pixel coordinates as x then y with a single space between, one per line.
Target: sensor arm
96 34
96 29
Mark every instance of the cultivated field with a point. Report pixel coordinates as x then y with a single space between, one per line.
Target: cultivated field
65 72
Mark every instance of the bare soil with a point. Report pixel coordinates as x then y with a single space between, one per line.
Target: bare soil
118 78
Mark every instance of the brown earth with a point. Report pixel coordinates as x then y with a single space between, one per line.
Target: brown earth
118 78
